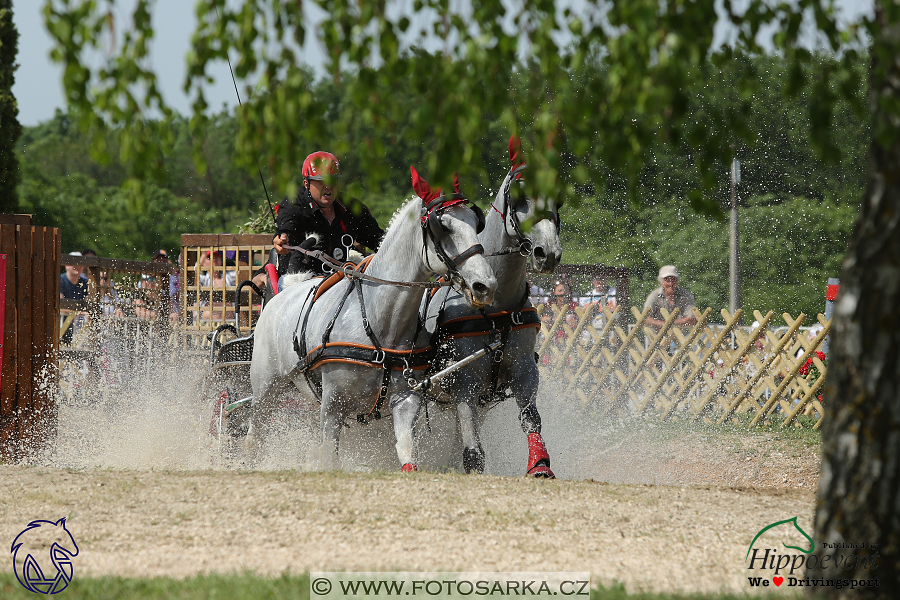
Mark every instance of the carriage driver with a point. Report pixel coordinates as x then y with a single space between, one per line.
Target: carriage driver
319 218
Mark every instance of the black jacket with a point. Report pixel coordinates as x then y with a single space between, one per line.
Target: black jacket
301 217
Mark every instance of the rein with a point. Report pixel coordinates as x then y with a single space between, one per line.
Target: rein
373 355
351 272
452 264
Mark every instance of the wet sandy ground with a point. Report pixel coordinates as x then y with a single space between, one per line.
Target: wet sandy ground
650 506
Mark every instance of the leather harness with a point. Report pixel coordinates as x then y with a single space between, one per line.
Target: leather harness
374 355
497 325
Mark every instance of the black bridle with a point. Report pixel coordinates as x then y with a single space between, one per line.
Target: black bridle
526 246
431 218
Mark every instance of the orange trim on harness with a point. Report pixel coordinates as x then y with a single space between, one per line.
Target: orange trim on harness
332 280
403 354
485 320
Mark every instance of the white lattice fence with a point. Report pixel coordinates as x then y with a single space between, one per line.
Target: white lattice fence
709 372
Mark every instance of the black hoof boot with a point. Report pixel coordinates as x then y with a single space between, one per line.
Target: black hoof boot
473 460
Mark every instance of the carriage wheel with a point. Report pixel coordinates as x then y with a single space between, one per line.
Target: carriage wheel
216 424
227 429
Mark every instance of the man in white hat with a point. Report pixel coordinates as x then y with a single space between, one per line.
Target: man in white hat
668 296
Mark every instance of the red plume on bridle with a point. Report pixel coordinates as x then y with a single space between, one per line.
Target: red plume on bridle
515 148
424 191
430 195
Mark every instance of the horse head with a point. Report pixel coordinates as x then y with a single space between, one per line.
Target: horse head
450 227
531 222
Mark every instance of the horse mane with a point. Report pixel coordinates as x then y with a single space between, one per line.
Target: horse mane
401 210
408 213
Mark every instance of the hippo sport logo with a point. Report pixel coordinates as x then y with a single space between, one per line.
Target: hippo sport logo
34 569
776 566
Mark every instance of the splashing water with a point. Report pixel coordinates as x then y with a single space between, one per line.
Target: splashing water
157 420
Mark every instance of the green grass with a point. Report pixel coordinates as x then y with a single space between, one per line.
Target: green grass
254 587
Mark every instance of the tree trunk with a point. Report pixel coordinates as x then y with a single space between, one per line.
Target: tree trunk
859 489
10 130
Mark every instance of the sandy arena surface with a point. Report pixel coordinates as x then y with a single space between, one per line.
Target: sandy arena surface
653 507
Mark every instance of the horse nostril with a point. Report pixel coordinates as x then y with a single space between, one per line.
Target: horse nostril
479 288
539 252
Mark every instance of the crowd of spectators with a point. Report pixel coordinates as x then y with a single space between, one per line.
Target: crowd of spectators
152 298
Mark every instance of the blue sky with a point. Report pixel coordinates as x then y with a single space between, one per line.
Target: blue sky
38 86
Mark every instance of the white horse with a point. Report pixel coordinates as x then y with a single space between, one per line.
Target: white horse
462 330
354 347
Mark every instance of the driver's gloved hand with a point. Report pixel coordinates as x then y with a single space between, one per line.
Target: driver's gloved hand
300 261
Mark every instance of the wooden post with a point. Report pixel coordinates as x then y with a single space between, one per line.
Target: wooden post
28 382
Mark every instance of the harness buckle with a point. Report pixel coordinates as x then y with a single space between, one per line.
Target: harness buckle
379 356
408 373
498 356
516 318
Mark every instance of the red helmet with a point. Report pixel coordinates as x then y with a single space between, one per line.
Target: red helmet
318 163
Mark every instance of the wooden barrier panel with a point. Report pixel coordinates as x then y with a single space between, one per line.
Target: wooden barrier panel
717 373
30 346
212 267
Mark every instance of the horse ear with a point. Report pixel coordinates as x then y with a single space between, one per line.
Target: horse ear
61 522
515 149
423 190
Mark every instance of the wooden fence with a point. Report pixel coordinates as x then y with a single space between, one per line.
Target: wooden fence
212 268
28 333
713 373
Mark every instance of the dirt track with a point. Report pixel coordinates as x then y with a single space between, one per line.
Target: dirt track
689 534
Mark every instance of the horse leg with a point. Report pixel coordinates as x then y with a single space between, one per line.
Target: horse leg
262 409
331 431
404 408
524 389
473 453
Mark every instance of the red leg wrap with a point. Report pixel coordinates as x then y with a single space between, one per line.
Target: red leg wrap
538 459
409 468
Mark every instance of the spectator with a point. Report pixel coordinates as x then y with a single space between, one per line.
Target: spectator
562 296
216 278
163 291
547 320
597 295
72 287
572 320
669 296
84 270
537 294
173 291
143 306
109 296
213 301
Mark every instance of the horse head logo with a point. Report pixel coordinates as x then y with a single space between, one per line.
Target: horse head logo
39 538
791 527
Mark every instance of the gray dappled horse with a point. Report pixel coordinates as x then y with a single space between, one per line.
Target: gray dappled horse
463 330
355 345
